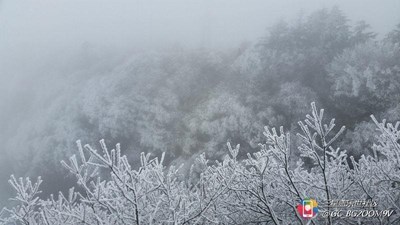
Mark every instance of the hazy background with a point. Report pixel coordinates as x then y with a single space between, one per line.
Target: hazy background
31 31
51 50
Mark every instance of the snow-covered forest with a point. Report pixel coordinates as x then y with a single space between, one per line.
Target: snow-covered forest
263 188
212 136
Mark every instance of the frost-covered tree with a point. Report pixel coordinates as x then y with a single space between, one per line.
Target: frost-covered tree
394 36
262 189
366 78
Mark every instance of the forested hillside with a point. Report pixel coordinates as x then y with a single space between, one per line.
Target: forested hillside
188 102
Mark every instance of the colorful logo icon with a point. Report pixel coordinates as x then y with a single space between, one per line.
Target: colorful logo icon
308 208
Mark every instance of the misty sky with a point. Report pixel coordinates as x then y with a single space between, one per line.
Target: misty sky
145 23
33 29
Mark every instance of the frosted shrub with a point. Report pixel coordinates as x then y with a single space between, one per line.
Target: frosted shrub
262 189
